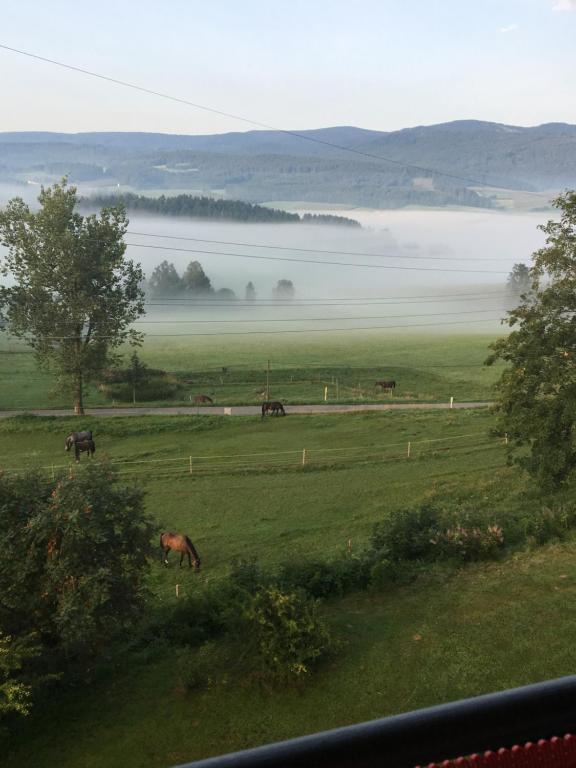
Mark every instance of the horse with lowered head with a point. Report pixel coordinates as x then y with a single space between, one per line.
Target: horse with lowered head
82 442
180 543
386 386
273 406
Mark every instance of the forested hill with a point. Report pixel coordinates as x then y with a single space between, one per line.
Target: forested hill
209 208
459 164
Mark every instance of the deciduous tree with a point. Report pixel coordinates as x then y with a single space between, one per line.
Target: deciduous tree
537 391
75 295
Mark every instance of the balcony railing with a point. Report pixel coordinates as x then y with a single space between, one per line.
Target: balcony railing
498 721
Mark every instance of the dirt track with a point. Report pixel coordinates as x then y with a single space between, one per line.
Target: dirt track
246 410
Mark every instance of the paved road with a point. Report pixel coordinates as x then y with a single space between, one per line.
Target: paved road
247 410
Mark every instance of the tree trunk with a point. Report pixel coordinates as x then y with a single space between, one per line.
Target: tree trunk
78 401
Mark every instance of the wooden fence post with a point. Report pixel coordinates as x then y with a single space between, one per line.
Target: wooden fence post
177 590
303 457
408 451
325 394
451 402
190 464
506 438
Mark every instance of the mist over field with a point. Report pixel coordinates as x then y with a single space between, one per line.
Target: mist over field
439 252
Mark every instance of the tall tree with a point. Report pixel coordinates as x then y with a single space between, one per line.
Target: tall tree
537 391
165 281
518 281
74 296
195 281
284 290
250 293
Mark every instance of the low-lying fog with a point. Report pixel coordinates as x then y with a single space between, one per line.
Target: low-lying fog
439 252
413 256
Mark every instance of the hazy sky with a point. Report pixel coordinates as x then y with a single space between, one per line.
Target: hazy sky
382 64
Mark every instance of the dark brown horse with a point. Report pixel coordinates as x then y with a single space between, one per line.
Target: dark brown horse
81 442
180 543
203 400
386 386
273 406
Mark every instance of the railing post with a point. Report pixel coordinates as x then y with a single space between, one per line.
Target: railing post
408 451
190 464
303 457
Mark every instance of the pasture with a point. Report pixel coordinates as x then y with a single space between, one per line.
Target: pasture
427 367
450 634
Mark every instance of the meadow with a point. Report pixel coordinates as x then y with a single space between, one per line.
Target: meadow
452 633
428 367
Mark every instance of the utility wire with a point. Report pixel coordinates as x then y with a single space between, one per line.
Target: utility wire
312 250
314 261
256 123
303 330
318 319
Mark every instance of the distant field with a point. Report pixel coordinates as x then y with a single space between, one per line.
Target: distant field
427 367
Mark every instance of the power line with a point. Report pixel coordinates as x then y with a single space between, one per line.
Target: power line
367 300
316 319
314 261
303 330
256 123
311 250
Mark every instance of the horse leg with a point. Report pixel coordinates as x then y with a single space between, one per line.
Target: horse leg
189 560
166 552
181 558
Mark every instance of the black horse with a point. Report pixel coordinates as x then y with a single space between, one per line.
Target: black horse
82 442
386 386
274 407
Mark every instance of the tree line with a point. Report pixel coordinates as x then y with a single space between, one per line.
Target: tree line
210 208
194 283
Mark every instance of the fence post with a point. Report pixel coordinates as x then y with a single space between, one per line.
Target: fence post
177 590
349 546
506 438
408 451
190 464
451 402
337 390
303 456
325 394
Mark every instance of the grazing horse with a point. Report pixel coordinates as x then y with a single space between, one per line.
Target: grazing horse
84 446
182 544
386 386
203 399
77 437
273 406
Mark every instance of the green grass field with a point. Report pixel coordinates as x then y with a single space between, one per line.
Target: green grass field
448 635
427 367
238 487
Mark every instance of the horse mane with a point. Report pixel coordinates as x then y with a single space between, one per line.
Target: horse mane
187 540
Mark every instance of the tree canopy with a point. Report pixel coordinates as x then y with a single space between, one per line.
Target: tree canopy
75 295
537 391
284 290
72 574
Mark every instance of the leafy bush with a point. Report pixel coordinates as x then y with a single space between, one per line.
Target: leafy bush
406 534
468 543
429 533
325 578
73 568
550 523
284 636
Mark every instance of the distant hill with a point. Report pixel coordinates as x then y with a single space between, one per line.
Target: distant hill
208 208
257 166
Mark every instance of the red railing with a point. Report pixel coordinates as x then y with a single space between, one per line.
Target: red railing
546 753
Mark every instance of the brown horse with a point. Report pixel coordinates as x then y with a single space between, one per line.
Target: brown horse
203 400
180 543
273 406
386 386
84 446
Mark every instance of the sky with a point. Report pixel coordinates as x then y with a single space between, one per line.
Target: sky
379 64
